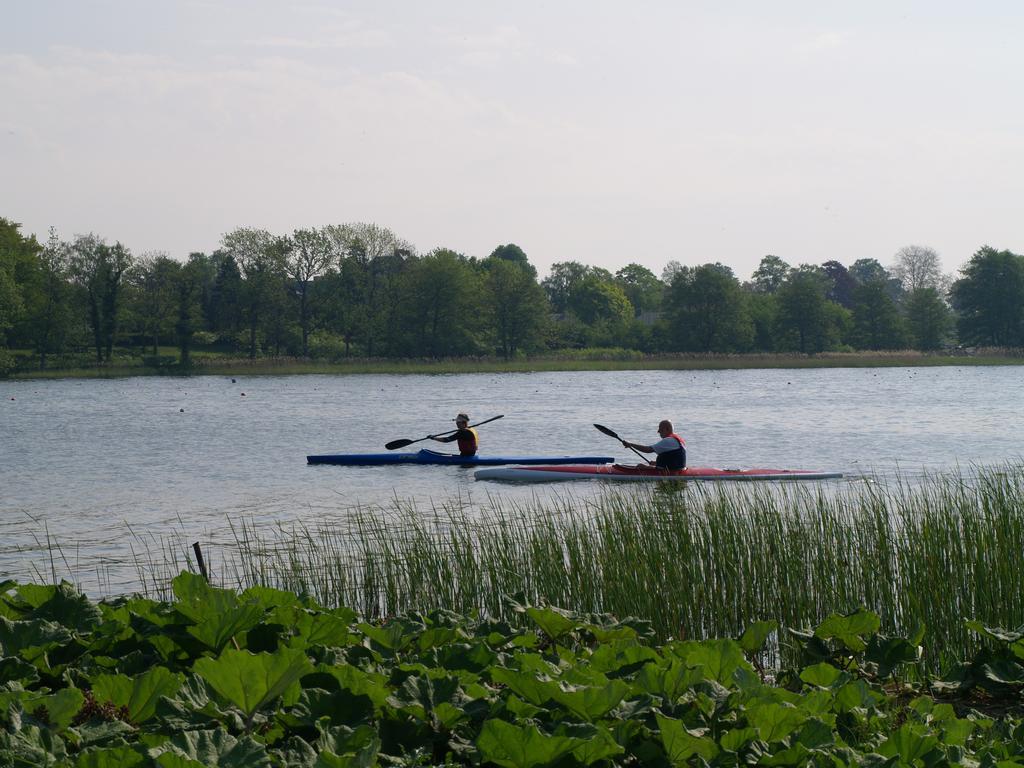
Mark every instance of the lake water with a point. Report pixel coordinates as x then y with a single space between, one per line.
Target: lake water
101 465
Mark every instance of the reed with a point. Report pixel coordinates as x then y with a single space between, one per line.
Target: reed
700 561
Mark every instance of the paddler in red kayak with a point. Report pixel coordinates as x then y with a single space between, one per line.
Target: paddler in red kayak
671 449
466 436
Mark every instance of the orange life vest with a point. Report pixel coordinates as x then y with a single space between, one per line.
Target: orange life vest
468 442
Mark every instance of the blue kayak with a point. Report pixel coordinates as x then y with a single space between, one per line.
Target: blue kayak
433 457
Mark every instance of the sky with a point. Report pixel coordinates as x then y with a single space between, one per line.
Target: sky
602 132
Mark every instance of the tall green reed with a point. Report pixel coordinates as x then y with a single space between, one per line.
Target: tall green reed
697 561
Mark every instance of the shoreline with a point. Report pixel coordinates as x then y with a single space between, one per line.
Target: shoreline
613 360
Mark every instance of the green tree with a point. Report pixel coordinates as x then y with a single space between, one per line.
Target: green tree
641 286
224 305
803 316
597 300
518 308
763 310
706 310
929 318
310 253
868 270
153 295
515 254
48 300
563 280
990 299
189 283
871 270
98 270
770 274
260 259
877 323
376 257
18 264
441 302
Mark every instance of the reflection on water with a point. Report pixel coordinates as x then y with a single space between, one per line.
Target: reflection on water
103 467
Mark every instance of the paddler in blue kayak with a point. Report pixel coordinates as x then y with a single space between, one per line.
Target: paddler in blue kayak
465 435
671 449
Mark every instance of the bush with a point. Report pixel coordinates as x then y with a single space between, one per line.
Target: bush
7 363
160 361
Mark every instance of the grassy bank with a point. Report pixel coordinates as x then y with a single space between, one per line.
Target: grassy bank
703 562
566 360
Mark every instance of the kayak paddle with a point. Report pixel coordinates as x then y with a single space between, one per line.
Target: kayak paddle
610 433
403 442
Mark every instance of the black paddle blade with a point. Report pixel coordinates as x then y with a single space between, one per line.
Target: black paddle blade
398 444
602 428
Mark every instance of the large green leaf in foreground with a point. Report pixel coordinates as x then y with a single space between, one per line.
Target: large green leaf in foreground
140 693
250 680
218 614
516 746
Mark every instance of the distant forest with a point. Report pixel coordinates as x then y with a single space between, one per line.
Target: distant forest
359 290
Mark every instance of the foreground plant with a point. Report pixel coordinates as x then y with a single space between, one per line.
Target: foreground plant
268 678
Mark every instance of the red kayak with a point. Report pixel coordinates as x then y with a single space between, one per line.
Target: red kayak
644 472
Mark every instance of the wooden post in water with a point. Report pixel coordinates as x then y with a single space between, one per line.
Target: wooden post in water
199 560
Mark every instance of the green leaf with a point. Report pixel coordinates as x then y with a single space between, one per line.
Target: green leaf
995 633
339 707
681 743
756 635
356 748
735 739
322 629
111 757
251 680
420 694
394 636
359 682
516 746
670 682
30 639
521 709
61 707
850 629
176 760
1004 672
524 684
218 614
12 668
554 622
31 747
890 653
215 749
719 658
815 734
822 675
140 693
590 702
855 695
909 743
62 604
597 745
622 655
774 722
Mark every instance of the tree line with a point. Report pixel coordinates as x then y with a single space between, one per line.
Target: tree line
359 290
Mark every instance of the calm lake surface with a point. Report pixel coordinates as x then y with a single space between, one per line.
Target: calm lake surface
104 466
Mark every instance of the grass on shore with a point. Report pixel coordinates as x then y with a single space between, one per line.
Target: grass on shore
565 360
702 561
